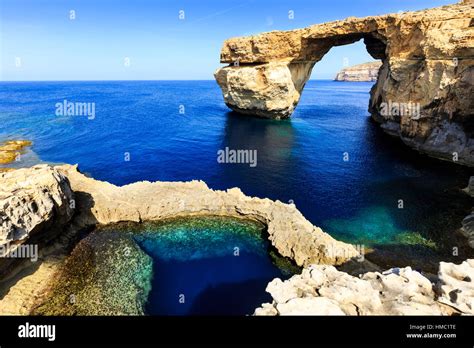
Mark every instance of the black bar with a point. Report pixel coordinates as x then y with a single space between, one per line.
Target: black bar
290 331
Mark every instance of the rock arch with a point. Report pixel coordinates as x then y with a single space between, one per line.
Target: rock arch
427 60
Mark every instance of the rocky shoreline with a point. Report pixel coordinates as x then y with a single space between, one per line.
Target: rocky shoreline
51 205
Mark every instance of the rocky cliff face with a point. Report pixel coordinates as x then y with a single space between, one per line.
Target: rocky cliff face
359 72
425 85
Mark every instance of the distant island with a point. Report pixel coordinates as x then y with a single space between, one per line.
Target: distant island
360 72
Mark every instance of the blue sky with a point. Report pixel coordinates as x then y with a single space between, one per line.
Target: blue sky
39 41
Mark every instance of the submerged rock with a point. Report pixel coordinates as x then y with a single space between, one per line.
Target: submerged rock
106 274
10 150
323 290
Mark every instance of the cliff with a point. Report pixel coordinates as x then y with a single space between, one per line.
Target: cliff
424 90
359 72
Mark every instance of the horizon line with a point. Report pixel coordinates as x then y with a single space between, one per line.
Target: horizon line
163 80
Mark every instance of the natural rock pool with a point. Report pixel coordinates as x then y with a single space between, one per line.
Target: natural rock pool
182 266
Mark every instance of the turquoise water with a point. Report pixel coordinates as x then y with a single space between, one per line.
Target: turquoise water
205 265
300 159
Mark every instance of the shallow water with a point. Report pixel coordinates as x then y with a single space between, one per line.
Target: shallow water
205 265
300 159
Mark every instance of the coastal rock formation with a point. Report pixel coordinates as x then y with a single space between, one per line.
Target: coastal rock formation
32 200
34 205
323 290
268 90
320 289
288 231
12 151
456 286
424 89
360 72
30 289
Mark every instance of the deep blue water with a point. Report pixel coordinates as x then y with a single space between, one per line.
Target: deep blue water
300 159
207 265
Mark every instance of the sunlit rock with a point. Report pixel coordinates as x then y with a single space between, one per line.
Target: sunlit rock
426 76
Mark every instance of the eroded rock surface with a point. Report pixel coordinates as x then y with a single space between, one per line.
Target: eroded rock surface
289 232
34 203
322 290
427 71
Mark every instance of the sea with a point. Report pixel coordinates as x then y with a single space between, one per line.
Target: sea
330 159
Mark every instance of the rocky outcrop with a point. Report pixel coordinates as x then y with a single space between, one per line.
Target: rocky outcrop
270 90
32 200
288 231
359 72
323 290
12 151
455 285
424 89
44 191
37 203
